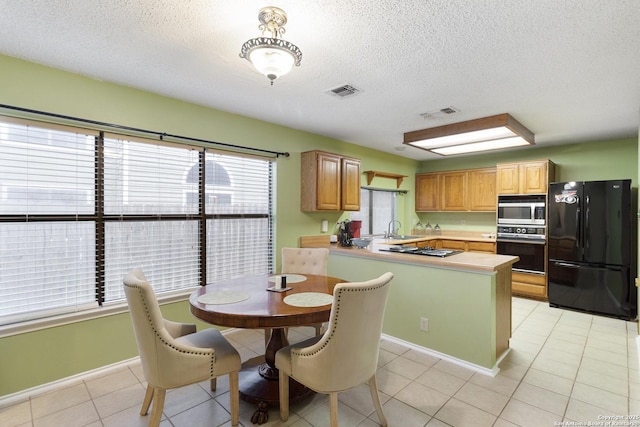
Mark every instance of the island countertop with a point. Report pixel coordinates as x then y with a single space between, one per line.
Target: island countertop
466 298
470 261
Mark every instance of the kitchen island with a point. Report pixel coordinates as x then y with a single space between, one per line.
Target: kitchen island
466 299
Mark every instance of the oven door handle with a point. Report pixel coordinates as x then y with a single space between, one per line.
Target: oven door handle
525 241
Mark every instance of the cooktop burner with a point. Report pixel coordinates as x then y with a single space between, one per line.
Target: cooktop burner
427 251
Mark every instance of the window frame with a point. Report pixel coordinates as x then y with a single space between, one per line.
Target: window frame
99 218
369 221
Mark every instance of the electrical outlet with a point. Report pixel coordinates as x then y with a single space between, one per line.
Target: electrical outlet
424 324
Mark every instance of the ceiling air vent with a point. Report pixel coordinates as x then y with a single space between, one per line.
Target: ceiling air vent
344 91
440 113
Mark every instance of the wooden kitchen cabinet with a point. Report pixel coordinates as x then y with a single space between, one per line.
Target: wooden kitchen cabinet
453 186
482 189
529 285
350 191
525 177
427 192
489 247
461 245
329 182
461 190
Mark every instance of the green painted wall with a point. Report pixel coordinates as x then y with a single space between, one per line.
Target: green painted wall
39 357
589 161
467 332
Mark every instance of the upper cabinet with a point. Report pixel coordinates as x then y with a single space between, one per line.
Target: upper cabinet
462 190
454 191
350 197
329 182
427 192
525 177
482 189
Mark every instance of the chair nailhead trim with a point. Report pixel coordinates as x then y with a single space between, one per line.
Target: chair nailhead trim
157 334
337 311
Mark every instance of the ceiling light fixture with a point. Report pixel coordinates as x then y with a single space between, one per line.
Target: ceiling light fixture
488 133
271 56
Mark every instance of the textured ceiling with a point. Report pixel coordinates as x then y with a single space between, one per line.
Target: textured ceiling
569 70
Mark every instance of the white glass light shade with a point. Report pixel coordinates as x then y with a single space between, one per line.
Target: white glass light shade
271 56
271 61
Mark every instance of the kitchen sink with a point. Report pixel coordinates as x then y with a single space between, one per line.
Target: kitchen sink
405 237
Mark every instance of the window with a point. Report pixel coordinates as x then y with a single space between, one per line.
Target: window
377 209
78 209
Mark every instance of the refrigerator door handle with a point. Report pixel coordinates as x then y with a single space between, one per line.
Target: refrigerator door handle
587 231
578 243
567 265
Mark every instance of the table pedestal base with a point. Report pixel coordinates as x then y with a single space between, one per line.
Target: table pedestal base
254 388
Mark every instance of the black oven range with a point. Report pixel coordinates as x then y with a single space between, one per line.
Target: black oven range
526 242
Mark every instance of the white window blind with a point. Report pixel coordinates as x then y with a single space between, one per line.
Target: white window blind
377 209
79 209
239 224
47 194
144 182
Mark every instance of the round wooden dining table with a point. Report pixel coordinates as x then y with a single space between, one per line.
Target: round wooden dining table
246 302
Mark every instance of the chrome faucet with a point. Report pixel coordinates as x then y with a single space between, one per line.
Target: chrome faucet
393 231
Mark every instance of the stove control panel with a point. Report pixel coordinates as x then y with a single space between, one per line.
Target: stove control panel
524 232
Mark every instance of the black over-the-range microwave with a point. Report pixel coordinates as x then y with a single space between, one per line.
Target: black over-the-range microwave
522 210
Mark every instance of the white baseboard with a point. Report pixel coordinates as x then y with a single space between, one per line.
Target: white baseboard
24 395
463 363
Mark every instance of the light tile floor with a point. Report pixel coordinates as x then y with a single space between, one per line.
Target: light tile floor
564 366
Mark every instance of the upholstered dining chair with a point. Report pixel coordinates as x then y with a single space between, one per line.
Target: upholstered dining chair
306 261
173 354
347 354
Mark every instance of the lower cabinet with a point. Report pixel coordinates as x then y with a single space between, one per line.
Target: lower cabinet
529 285
461 245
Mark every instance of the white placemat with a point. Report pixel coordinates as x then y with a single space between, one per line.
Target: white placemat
308 299
223 296
291 278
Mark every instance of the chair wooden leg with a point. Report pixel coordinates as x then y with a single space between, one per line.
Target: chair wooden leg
333 409
158 404
214 384
283 388
234 397
373 387
148 397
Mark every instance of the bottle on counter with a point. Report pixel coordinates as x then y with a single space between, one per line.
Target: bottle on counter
437 230
428 229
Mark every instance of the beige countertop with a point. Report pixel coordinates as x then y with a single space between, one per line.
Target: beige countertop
448 235
470 261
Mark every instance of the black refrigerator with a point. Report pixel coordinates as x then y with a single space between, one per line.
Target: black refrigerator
591 247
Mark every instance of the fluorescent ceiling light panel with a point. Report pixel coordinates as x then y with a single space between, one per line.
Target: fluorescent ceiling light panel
480 146
488 133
